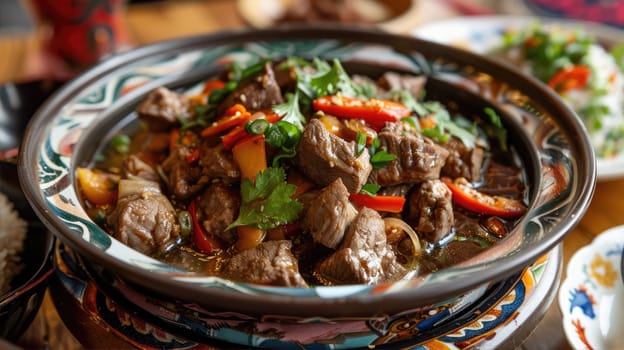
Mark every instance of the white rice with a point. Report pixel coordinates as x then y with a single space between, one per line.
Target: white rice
12 234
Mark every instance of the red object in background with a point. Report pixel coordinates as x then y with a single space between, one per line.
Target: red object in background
603 11
83 31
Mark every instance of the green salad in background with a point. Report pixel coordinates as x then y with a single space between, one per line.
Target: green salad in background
585 74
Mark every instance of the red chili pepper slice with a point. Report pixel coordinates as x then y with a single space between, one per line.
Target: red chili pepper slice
570 78
202 240
392 204
233 117
473 200
375 112
212 85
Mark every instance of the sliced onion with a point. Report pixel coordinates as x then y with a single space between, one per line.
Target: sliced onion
129 187
394 222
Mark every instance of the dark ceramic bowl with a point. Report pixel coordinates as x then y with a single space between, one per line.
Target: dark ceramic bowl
18 307
78 120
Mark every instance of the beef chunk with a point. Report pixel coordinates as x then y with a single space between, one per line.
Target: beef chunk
160 109
219 206
257 92
218 163
135 168
184 180
328 214
324 157
431 210
144 219
394 81
270 263
463 161
364 255
418 158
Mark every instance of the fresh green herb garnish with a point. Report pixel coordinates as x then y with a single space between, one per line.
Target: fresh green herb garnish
379 157
593 113
290 110
360 143
267 202
444 125
370 189
496 129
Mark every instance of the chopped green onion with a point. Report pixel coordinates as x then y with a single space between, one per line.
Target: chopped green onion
370 189
257 127
360 143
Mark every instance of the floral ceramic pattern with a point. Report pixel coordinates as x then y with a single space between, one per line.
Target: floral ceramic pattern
485 324
591 291
556 196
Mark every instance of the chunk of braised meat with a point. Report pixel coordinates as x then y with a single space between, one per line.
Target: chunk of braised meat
463 161
328 214
390 81
270 263
364 256
260 91
325 157
418 158
135 168
218 163
161 108
144 219
184 179
218 206
503 180
431 210
395 191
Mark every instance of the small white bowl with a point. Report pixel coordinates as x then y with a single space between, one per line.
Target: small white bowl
591 297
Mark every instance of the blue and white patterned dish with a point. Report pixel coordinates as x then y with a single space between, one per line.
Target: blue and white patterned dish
148 322
561 164
591 297
481 34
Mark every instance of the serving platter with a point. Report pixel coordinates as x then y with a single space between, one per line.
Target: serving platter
592 295
482 34
505 315
62 136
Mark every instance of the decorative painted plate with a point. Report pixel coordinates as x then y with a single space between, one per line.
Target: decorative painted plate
482 34
591 297
84 114
145 321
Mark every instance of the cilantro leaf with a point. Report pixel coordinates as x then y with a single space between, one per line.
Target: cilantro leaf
444 124
290 111
267 202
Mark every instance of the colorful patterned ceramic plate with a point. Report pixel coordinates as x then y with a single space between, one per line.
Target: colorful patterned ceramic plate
67 130
483 33
487 323
591 297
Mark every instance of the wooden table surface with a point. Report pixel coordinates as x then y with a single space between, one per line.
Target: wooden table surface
151 22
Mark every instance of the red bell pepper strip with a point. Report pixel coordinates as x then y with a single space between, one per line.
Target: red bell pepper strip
481 203
212 85
233 117
392 204
374 112
202 240
570 78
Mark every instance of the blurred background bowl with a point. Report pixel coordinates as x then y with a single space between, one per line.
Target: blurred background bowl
395 16
18 307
